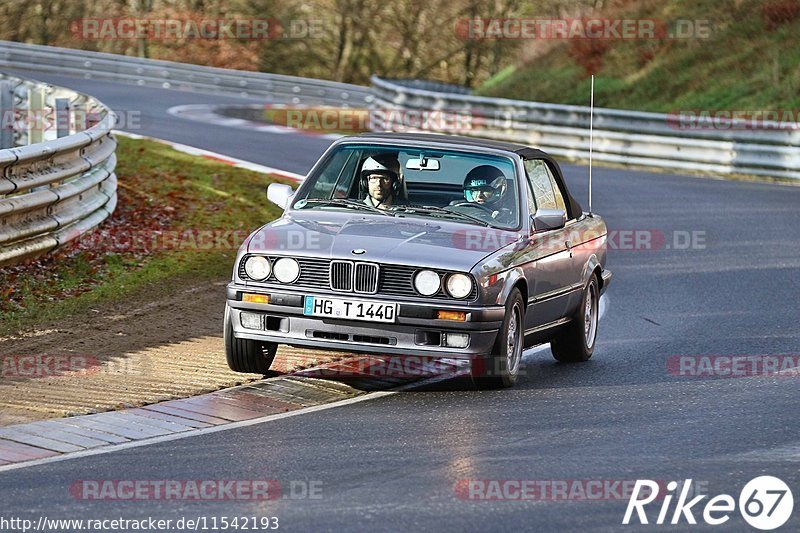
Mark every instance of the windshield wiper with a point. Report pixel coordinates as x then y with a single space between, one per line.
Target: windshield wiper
432 209
345 202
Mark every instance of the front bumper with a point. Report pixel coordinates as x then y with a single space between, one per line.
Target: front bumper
415 331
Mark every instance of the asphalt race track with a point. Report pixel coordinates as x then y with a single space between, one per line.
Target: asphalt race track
395 462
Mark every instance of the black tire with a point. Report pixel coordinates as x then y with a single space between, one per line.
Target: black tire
246 355
575 344
499 370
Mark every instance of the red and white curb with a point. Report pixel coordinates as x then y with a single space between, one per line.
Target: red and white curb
214 156
45 441
24 445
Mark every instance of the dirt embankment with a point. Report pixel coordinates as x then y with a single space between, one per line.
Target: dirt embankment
163 342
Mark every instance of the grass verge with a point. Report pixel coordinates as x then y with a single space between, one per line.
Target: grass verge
177 217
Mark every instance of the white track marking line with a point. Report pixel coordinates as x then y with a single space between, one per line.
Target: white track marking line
195 432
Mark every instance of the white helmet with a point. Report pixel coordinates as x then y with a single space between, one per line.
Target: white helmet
379 164
386 164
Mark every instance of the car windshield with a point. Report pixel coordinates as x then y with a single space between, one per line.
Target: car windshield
401 181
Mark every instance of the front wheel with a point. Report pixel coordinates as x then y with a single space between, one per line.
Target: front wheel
576 343
247 355
501 369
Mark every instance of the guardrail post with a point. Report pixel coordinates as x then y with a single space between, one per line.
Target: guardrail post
62 117
6 115
79 116
36 115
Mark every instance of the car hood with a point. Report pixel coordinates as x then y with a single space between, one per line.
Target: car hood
392 240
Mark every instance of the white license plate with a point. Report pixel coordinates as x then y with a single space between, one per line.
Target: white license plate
350 309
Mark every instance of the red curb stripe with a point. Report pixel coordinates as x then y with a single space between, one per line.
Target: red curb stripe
15 452
258 403
216 407
219 159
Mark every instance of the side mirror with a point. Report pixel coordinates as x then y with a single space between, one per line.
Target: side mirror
280 194
548 219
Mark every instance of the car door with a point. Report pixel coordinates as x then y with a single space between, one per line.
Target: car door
550 271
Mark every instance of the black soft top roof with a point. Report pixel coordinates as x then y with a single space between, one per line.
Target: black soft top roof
446 139
526 152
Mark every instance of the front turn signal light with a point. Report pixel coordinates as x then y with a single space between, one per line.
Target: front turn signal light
255 298
456 316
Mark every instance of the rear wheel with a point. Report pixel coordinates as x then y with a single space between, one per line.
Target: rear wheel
576 343
501 369
247 355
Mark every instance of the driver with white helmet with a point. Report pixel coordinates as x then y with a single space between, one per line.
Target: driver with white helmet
381 179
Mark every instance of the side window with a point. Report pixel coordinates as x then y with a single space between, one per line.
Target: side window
347 177
556 191
335 175
541 184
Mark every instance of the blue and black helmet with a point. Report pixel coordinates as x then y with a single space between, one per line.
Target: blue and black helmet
486 179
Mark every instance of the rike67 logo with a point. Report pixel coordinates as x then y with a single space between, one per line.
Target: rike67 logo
765 503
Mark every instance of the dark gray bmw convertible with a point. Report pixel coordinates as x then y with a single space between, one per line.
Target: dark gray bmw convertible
422 245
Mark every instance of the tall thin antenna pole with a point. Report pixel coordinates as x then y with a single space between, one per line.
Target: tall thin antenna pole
591 144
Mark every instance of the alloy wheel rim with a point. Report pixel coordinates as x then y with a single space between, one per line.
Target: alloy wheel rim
590 317
513 343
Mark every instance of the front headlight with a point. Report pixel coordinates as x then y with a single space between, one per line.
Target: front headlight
459 285
286 269
257 267
427 282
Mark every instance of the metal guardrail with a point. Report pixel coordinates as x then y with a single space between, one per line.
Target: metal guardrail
53 189
623 137
57 178
58 183
171 75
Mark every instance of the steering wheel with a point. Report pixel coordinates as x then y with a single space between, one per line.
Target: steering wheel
474 204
